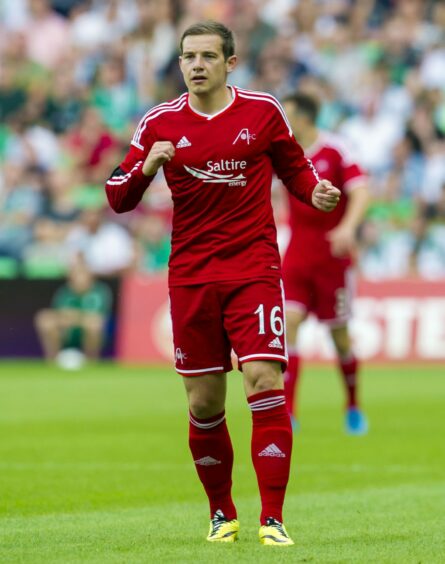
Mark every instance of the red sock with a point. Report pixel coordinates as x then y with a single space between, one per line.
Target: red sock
349 368
271 450
291 377
212 452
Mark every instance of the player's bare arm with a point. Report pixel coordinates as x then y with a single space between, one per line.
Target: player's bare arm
342 237
325 196
160 153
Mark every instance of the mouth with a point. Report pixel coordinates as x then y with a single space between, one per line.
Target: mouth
199 79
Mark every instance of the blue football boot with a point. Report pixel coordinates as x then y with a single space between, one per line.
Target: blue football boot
356 422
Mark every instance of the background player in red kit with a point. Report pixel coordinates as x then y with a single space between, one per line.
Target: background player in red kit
218 146
317 264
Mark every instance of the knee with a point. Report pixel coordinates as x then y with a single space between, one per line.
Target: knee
46 320
206 394
92 323
204 406
342 344
266 382
262 376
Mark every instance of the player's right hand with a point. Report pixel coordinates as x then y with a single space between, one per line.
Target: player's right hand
160 153
325 196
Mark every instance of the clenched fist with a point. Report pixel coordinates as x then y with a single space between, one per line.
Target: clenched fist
325 196
160 153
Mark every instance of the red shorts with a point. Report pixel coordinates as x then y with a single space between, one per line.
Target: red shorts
325 290
209 320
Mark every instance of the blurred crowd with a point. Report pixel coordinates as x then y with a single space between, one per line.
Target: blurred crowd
77 75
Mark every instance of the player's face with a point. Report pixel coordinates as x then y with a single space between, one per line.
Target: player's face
297 120
203 65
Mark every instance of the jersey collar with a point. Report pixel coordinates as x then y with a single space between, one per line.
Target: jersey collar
208 117
313 149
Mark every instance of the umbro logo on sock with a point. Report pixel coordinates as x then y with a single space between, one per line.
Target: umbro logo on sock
183 142
275 344
207 461
272 450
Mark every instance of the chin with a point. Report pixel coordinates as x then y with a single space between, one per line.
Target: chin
199 88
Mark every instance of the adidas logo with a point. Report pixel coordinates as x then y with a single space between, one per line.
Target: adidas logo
207 461
275 344
272 450
183 142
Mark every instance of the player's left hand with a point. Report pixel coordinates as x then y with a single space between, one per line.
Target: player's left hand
342 240
325 196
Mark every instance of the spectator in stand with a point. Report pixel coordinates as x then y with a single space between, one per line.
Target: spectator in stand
46 34
91 146
151 47
106 247
46 255
152 242
405 175
12 95
427 258
20 203
372 135
64 103
377 67
114 96
59 205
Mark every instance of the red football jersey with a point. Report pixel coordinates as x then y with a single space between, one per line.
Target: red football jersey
333 161
220 179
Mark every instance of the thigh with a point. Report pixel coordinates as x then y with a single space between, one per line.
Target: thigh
334 291
298 288
254 320
341 339
262 375
206 394
201 345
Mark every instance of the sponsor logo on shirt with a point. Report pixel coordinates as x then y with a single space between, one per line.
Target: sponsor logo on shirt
183 142
322 165
245 135
180 356
233 172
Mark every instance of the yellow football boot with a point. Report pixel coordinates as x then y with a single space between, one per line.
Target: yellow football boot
274 533
221 529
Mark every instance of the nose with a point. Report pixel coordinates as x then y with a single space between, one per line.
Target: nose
197 63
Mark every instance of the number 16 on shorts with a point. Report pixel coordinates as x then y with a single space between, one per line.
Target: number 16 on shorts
268 328
268 318
276 320
255 322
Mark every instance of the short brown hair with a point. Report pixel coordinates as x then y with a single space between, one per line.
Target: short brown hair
305 104
212 28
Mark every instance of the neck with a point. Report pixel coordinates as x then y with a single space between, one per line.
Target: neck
308 137
211 103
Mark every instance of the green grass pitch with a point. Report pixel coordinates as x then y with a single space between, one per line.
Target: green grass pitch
94 467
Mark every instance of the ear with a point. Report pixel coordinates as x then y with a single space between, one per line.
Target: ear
231 63
180 60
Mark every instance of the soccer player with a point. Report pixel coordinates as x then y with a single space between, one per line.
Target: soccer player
317 266
219 145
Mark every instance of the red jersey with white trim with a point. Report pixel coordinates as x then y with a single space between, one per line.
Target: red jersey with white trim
220 180
309 226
